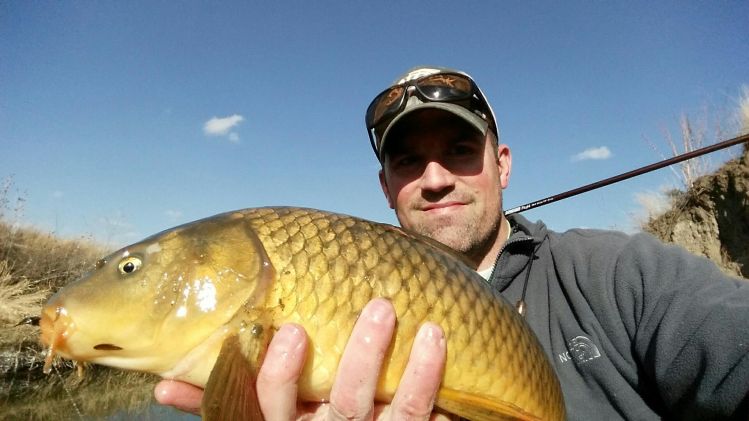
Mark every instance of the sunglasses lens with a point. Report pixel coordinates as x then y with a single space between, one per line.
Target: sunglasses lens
445 87
385 104
439 87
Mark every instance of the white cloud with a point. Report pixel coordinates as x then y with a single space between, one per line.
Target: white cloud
593 153
221 126
233 137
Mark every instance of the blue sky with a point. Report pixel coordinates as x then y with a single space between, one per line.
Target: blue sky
120 119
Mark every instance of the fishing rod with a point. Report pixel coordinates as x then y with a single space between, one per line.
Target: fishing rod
634 173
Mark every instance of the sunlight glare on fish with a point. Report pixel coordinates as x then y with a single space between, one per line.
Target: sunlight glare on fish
206 295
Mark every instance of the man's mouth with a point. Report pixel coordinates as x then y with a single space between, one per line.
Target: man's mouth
442 207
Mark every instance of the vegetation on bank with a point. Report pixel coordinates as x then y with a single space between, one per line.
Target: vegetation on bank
709 214
711 218
33 265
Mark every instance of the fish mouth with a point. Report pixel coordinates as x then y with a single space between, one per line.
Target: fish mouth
56 326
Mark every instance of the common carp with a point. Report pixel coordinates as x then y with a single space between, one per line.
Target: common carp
186 301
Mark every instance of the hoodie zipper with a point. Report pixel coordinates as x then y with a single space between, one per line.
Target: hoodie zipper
520 304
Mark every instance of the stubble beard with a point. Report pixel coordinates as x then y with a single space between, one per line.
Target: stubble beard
466 238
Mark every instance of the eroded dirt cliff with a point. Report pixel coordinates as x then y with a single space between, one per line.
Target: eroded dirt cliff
711 219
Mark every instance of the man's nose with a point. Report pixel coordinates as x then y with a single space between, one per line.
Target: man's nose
436 177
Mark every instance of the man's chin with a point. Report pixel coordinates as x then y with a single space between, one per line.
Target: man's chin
451 235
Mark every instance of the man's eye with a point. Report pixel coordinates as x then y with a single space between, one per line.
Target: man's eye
462 150
404 161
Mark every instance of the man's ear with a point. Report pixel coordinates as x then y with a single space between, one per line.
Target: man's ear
504 163
385 190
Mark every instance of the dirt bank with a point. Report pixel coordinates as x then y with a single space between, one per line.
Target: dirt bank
711 219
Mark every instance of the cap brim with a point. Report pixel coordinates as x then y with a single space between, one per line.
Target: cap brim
474 120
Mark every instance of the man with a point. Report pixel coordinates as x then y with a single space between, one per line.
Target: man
635 329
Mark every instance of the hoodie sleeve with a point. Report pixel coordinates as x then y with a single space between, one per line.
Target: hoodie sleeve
690 328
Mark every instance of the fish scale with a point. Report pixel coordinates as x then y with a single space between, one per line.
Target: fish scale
317 269
423 285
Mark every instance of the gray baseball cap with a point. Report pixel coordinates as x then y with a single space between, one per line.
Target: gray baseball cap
472 107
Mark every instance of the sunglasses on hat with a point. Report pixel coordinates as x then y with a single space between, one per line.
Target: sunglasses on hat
448 87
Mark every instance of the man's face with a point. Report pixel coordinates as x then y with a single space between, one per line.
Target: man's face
444 180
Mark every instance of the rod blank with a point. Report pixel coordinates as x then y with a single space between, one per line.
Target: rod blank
634 173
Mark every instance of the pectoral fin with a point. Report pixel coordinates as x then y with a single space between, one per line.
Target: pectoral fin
230 392
479 408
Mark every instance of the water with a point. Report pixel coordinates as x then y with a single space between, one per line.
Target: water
153 412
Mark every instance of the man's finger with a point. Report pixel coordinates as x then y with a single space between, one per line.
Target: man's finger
277 377
417 390
352 396
180 395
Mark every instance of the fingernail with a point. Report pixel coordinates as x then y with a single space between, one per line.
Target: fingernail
289 340
161 390
379 311
430 333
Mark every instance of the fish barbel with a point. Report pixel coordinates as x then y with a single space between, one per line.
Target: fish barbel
199 302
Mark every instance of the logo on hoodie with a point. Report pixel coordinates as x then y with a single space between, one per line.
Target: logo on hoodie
581 349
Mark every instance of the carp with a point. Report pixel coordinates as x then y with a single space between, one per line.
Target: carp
199 303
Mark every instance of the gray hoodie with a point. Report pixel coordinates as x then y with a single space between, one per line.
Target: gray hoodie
636 329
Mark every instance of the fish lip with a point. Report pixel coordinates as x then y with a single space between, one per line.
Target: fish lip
47 324
55 326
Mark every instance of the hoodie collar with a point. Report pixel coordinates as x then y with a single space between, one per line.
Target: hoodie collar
518 249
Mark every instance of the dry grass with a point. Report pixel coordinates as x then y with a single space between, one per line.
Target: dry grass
710 217
43 259
711 125
18 298
33 265
743 112
695 132
693 136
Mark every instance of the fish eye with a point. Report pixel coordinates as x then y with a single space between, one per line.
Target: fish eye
129 265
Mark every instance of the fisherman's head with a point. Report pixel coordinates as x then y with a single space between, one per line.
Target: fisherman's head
443 168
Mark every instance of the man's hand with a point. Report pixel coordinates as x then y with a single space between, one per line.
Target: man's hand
352 396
